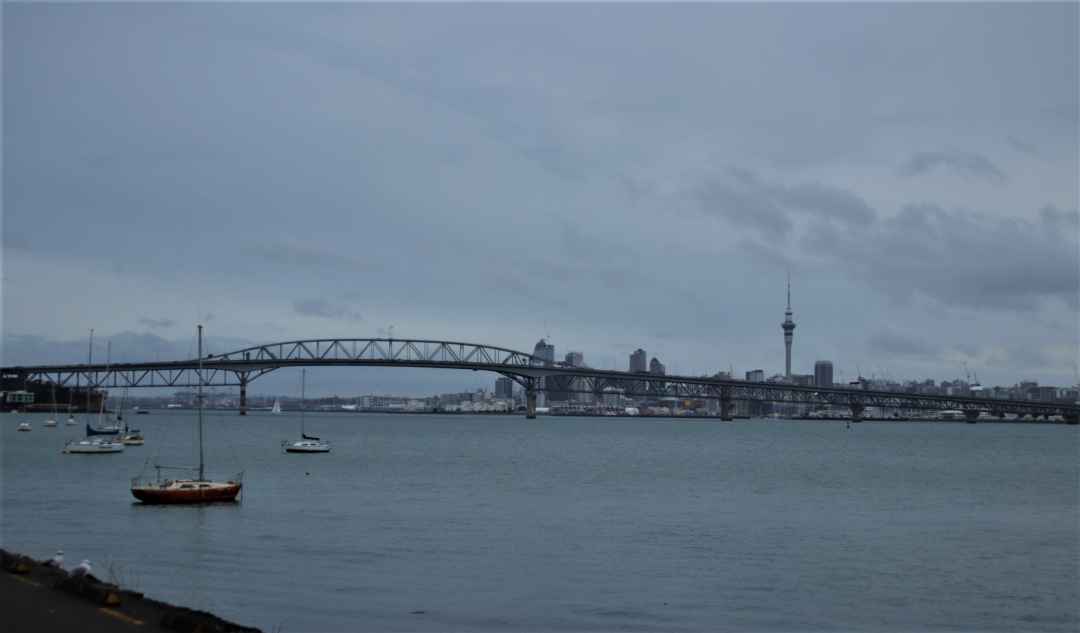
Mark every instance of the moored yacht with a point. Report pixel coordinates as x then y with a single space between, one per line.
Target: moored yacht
306 443
195 490
93 446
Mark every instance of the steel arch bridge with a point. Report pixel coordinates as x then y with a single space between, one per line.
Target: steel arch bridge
238 368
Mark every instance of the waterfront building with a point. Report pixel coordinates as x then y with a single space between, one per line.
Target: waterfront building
823 373
789 331
657 368
575 359
638 361
755 375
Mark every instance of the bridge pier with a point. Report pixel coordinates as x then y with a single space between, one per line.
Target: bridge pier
857 409
972 415
530 401
243 394
727 405
727 408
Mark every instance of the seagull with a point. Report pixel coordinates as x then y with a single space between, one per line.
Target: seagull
83 568
57 560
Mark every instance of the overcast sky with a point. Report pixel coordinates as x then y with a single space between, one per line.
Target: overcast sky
610 176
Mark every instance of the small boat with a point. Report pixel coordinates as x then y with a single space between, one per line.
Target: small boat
141 412
70 421
131 437
306 443
195 490
107 430
93 446
276 409
24 426
51 422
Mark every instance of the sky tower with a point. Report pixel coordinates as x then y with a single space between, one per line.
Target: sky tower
789 331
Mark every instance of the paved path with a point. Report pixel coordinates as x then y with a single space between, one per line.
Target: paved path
31 603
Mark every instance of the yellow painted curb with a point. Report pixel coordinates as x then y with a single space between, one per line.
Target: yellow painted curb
120 616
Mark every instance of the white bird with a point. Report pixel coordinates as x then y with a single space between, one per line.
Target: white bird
57 560
82 569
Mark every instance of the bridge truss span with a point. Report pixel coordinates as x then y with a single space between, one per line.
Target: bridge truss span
381 350
238 368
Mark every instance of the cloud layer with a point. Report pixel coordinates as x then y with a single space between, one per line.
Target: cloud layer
606 176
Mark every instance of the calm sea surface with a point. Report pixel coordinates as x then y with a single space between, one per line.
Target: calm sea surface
438 523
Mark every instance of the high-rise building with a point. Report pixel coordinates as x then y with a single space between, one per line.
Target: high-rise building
504 388
544 351
789 331
823 376
638 361
656 367
575 359
756 375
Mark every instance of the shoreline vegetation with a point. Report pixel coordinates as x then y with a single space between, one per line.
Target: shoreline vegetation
42 597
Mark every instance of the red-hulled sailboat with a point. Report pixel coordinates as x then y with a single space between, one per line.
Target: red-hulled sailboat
188 491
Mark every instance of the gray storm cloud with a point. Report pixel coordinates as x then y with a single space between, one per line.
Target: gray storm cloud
964 163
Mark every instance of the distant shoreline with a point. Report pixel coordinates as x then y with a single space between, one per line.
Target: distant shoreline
620 416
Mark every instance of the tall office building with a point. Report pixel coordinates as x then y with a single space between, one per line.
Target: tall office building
544 351
823 374
755 375
575 359
789 331
656 367
638 362
504 388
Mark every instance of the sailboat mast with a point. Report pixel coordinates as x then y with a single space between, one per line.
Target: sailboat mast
198 396
108 361
89 361
303 381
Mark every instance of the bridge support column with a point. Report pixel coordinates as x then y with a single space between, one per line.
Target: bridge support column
530 404
857 409
971 415
243 394
530 400
727 405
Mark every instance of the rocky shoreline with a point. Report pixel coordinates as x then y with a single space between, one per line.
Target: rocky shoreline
41 597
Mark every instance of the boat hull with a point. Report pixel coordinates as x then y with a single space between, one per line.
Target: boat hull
307 449
162 495
97 449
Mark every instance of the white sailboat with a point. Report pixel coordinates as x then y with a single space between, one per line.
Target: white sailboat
93 446
306 443
51 422
97 441
276 409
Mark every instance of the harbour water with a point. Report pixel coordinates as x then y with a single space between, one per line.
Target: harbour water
435 523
